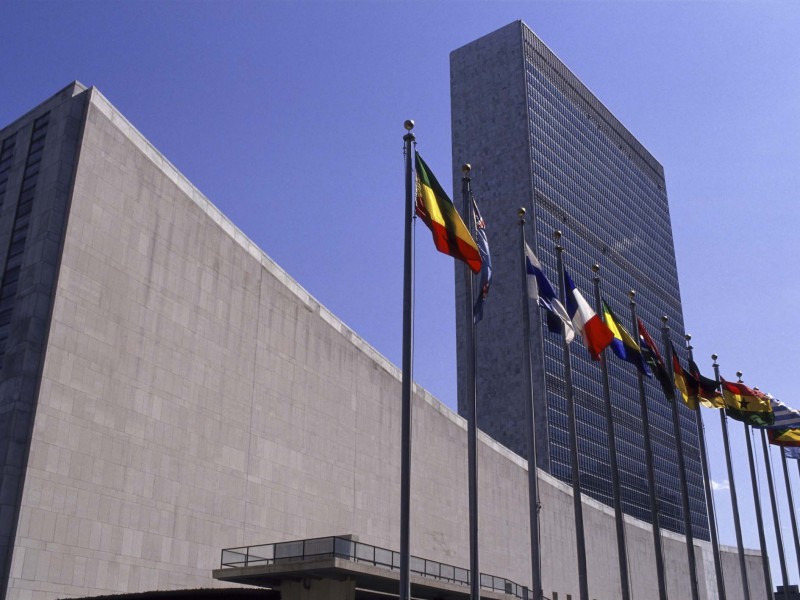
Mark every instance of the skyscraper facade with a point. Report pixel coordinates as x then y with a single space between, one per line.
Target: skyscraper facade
538 138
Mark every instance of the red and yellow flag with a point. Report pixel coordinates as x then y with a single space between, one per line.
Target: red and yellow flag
450 235
708 393
784 437
746 405
684 383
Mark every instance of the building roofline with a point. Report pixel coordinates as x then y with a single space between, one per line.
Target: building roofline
68 91
605 119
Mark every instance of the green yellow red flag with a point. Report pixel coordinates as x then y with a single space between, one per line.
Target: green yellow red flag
746 405
434 207
784 437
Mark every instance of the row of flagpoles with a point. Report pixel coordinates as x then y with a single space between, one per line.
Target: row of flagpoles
568 313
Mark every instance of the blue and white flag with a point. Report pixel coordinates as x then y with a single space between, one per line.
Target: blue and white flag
785 417
539 289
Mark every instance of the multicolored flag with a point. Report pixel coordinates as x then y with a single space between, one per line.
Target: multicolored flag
684 382
596 334
784 437
785 417
746 405
540 289
623 345
707 389
486 263
656 363
434 207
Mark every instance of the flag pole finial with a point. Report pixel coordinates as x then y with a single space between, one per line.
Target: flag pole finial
739 375
595 268
664 320
521 214
714 357
409 124
465 169
688 337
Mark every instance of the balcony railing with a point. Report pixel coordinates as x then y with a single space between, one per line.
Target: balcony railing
268 554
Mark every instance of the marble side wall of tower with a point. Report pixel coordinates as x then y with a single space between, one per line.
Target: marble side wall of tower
489 123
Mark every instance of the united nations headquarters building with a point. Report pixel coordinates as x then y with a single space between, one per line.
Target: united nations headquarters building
177 413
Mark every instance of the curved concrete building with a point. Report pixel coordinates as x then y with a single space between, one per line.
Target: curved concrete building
168 391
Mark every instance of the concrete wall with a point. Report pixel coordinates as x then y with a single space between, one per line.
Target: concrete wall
193 397
734 589
494 83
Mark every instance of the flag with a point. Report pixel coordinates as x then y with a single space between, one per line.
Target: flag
596 335
746 405
684 382
784 437
708 389
450 235
791 452
653 359
540 289
623 345
785 417
486 263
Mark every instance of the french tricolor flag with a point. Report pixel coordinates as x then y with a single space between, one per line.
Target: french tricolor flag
596 334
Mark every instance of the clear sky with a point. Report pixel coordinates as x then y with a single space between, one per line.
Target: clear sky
289 117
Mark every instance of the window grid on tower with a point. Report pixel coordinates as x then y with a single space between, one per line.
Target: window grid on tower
19 230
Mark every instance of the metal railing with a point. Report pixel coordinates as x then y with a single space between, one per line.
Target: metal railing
268 554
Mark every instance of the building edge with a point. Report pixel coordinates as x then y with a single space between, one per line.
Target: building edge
23 409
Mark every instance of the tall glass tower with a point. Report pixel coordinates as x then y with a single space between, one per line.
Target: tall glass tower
537 138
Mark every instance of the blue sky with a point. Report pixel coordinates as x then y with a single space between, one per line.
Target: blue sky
289 117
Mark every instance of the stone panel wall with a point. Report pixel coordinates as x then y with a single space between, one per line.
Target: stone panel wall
194 397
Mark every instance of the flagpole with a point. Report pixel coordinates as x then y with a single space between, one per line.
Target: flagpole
622 552
712 518
791 507
732 483
533 477
583 582
676 424
757 502
775 517
471 399
651 478
408 344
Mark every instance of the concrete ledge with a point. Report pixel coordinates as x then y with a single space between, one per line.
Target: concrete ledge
365 576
